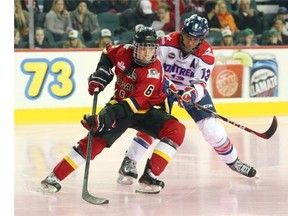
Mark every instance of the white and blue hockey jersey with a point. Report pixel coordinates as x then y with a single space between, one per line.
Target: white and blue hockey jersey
186 70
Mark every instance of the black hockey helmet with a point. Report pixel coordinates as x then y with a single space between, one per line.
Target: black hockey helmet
144 37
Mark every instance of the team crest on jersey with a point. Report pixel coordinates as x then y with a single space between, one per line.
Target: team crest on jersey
121 65
132 75
153 73
171 55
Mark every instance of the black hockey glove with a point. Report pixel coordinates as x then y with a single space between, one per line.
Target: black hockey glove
102 77
94 81
105 120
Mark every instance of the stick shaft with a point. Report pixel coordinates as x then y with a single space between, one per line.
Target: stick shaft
85 194
89 146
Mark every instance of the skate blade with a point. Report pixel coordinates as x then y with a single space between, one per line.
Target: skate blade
47 189
148 189
257 176
125 180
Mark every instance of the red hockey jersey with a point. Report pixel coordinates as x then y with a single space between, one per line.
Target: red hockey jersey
140 87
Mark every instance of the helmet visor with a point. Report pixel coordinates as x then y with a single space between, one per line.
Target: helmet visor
145 53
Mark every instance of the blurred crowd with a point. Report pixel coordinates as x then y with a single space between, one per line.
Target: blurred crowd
94 23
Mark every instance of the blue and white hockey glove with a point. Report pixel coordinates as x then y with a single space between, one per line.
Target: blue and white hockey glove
187 98
169 87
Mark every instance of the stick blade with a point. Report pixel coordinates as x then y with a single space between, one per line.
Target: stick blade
272 129
94 200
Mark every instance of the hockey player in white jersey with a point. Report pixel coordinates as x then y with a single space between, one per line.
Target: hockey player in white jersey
188 61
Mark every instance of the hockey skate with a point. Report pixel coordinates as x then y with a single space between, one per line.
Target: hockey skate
51 184
242 168
127 172
148 182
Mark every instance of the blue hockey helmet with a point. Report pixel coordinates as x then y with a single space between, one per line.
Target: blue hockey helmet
197 27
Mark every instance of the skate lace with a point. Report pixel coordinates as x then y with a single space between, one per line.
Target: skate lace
52 179
130 165
242 168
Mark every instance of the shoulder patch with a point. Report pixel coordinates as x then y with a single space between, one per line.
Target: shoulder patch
208 51
208 56
153 73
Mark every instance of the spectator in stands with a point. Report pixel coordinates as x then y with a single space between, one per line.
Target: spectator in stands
210 13
195 6
101 42
84 20
17 39
21 20
39 17
115 6
171 3
225 18
272 39
248 38
70 5
282 14
39 41
227 38
165 19
105 38
73 40
279 26
58 20
246 17
141 14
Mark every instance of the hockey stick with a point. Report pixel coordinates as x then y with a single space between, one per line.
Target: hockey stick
266 135
85 194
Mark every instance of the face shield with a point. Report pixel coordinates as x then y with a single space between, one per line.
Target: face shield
145 46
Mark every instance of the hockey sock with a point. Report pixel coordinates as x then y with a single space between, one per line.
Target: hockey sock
68 164
162 154
98 145
139 146
227 152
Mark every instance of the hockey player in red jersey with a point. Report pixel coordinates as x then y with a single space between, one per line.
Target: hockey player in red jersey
138 102
188 61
